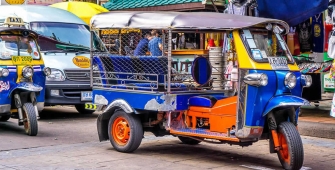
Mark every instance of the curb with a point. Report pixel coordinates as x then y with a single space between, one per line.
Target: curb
314 129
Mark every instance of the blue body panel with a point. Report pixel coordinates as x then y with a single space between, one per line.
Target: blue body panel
260 99
8 84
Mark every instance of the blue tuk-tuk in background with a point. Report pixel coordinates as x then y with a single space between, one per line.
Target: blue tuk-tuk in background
22 75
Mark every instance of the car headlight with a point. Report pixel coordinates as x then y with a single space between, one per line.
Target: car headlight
47 71
27 72
56 75
4 72
256 79
290 80
306 80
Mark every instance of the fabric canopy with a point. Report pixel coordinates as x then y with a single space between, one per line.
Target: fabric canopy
293 12
177 20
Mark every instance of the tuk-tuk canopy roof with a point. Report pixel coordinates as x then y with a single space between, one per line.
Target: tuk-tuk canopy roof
31 33
177 20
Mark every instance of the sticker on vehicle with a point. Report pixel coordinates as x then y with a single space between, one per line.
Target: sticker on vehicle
81 61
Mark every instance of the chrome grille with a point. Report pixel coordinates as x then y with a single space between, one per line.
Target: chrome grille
78 74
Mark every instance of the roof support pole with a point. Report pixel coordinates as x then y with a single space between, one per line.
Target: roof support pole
169 61
216 9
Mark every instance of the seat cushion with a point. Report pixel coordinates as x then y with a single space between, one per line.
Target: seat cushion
204 101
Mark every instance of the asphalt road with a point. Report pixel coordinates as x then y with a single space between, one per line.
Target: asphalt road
68 140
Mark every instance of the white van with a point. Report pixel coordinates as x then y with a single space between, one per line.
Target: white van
64 41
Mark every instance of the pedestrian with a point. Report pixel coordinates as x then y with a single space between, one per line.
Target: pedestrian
142 46
155 44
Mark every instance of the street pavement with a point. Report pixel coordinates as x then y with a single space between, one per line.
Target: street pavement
69 141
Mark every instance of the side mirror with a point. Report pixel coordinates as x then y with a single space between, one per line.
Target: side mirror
201 70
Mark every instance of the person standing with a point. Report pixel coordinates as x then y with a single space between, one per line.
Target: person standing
155 44
142 46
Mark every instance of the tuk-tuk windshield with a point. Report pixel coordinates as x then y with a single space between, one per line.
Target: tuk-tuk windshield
75 37
263 44
15 45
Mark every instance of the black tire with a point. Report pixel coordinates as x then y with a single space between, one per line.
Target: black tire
129 122
29 119
291 155
188 141
4 118
81 109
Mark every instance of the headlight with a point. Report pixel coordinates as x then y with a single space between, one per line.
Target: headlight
56 75
4 72
290 80
27 72
256 79
47 71
306 80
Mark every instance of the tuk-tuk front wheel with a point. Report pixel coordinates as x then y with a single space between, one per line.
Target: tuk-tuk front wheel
4 118
291 152
125 131
29 119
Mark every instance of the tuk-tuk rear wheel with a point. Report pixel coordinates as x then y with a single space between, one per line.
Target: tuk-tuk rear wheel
188 141
291 152
4 118
125 131
29 119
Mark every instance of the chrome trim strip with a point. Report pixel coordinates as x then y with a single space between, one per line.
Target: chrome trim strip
119 103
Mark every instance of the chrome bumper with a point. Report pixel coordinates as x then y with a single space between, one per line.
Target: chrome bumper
5 108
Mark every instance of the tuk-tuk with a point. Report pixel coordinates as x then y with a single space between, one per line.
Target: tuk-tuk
22 75
245 89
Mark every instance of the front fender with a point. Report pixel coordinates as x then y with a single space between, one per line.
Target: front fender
284 100
103 119
27 87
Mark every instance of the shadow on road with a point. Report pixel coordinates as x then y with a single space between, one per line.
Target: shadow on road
63 113
224 155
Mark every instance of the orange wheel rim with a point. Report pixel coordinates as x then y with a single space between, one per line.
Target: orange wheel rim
121 131
284 152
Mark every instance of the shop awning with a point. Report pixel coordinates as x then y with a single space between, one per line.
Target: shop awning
177 20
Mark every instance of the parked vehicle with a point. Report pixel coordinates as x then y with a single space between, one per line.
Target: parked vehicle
22 75
64 41
259 98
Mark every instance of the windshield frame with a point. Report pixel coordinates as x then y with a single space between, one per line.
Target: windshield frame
99 45
24 51
266 60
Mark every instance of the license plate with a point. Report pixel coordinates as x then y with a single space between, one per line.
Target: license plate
22 60
86 96
278 63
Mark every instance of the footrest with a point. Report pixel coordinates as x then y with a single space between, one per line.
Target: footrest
202 133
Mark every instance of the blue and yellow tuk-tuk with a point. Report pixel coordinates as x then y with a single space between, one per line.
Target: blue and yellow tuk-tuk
22 75
245 89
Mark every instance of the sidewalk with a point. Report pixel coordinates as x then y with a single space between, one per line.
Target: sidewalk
316 121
